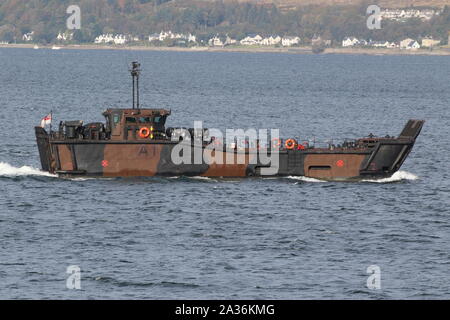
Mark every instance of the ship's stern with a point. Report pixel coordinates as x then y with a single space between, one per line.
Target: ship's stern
43 143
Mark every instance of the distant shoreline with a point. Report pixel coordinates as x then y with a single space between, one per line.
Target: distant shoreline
291 50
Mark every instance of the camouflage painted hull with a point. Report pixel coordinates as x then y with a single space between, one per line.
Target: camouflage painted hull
153 158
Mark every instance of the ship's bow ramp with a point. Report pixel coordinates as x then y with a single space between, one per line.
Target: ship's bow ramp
412 129
389 154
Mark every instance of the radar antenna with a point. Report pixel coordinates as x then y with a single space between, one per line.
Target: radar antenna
135 71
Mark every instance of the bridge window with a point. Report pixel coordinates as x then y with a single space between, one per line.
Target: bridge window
130 120
145 119
116 119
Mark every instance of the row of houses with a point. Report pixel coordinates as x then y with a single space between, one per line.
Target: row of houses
121 39
249 40
118 39
64 36
407 44
163 35
355 42
255 40
403 14
220 41
216 41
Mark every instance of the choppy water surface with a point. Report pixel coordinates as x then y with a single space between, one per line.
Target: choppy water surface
286 238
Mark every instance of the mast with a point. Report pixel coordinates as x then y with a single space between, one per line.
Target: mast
135 71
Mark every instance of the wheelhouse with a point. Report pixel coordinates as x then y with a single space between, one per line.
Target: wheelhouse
125 124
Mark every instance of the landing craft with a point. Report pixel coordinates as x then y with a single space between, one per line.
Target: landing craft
136 142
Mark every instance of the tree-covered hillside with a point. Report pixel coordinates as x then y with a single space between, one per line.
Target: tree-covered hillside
204 18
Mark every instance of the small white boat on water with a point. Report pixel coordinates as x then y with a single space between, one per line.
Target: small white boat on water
36 47
56 48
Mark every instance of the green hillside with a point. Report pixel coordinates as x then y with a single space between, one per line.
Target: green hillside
204 18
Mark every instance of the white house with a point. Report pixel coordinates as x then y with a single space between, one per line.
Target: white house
429 42
363 42
409 44
191 38
153 37
120 39
163 35
401 15
271 41
251 40
104 38
380 44
64 36
216 42
393 45
350 42
28 36
383 44
290 41
109 38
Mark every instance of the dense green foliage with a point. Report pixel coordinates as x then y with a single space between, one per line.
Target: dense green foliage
142 17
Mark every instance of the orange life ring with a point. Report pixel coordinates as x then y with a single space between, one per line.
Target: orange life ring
144 132
290 144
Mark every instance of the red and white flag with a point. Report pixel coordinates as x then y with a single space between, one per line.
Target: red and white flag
46 120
